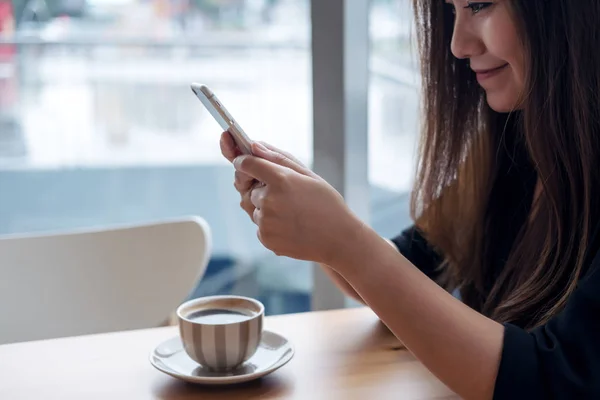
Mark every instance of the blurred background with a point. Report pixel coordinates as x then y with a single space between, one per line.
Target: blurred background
98 125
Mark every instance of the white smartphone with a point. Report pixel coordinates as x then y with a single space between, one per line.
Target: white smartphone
222 116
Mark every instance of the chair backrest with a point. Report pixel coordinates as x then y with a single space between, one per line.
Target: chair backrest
122 278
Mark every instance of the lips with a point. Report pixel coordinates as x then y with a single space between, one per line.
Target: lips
483 74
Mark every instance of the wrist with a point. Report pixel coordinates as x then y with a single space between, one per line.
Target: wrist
352 246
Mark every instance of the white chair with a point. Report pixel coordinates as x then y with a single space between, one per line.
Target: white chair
94 281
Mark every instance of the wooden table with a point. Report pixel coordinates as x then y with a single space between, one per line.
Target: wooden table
345 354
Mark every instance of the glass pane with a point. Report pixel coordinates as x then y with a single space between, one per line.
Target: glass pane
393 114
98 125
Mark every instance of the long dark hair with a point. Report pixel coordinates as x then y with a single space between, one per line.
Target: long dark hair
558 125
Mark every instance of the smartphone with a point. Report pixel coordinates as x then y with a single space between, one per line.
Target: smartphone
223 117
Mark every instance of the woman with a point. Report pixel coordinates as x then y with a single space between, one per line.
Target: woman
506 204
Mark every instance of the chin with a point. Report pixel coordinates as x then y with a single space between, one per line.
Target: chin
502 103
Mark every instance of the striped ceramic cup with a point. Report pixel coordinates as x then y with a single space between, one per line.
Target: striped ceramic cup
221 332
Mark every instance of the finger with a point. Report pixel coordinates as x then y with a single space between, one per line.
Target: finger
257 217
260 169
242 187
279 158
285 153
259 236
228 147
247 206
243 182
257 197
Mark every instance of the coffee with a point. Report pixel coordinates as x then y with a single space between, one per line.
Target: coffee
221 332
218 316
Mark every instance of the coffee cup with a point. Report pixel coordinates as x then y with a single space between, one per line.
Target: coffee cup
221 332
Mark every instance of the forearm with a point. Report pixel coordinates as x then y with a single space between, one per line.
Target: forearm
342 283
460 346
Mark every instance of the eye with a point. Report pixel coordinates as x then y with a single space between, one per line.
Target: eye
476 7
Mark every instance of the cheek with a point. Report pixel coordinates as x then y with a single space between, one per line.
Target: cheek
502 42
515 56
512 53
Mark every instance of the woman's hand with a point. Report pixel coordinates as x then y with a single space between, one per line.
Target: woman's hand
298 214
243 183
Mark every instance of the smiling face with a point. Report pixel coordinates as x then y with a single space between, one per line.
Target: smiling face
486 34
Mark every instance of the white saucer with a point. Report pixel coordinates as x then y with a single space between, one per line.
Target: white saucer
274 351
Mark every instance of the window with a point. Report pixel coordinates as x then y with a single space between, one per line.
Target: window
98 125
393 114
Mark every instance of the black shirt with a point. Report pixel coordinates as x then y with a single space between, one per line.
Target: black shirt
561 359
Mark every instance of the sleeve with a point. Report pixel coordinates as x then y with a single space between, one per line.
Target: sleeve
560 360
412 245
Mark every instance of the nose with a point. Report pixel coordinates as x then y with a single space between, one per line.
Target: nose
466 41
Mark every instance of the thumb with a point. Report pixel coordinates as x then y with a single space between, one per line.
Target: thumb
285 153
261 169
280 158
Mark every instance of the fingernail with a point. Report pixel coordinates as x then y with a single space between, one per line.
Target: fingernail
260 147
237 161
